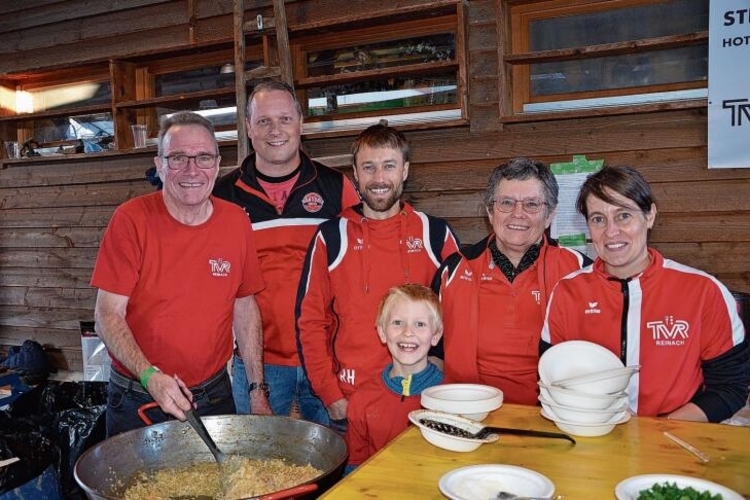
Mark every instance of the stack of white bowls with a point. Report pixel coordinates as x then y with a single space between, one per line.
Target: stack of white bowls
582 388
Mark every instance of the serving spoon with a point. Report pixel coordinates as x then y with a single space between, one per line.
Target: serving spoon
486 431
197 424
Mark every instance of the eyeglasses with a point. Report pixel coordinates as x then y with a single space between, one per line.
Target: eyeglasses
180 161
507 205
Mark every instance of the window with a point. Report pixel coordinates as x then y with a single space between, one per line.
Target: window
62 112
572 55
410 72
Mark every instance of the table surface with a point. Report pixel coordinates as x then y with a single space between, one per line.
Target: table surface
410 467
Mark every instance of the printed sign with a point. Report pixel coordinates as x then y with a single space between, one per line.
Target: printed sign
728 89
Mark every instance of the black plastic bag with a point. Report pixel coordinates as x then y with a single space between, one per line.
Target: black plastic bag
69 414
36 454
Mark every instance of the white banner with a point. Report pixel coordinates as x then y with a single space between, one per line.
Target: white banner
729 84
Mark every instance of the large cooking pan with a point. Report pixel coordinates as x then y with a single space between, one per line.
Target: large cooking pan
104 471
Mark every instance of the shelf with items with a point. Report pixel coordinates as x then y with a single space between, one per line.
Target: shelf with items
412 70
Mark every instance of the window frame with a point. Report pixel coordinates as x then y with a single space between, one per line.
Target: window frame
611 101
447 19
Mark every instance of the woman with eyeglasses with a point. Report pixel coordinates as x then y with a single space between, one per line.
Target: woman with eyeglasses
679 324
495 292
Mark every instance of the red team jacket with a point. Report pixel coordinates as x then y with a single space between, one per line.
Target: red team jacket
350 265
680 324
482 308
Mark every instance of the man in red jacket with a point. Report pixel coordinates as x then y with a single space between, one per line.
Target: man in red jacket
353 261
285 195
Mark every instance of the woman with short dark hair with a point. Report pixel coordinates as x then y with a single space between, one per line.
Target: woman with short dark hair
680 324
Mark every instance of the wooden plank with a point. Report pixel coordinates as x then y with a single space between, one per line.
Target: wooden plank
726 261
704 227
304 16
47 298
470 229
80 12
658 166
60 237
48 258
57 277
97 216
61 338
77 195
79 171
594 136
53 318
89 23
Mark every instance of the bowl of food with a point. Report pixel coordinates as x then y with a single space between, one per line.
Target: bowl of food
657 486
429 422
577 399
579 358
472 401
582 415
587 430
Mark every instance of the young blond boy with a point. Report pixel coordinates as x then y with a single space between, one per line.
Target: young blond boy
409 322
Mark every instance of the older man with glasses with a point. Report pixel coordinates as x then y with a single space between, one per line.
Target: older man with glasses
177 271
494 293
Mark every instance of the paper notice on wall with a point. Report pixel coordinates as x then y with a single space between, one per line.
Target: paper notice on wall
568 226
96 360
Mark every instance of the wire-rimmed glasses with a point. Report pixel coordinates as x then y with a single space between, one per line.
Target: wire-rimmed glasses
180 161
529 205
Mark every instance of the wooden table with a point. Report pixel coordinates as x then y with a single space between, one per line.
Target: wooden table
410 467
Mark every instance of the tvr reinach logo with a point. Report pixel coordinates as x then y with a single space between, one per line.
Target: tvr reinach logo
414 244
593 308
220 267
669 332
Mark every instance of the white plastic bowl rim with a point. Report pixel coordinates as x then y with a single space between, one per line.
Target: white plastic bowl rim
617 406
449 418
581 418
620 418
462 398
571 382
582 348
587 395
587 430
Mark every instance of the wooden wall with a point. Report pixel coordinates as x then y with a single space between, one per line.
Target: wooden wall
53 213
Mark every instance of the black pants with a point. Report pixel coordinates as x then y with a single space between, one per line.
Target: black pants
125 396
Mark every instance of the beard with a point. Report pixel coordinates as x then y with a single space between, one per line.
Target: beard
379 203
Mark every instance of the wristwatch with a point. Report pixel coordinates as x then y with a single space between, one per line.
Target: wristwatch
259 385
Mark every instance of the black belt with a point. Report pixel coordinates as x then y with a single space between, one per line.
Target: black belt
125 382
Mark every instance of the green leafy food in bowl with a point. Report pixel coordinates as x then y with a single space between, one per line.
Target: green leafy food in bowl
670 491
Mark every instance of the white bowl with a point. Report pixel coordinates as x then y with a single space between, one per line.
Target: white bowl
473 401
587 430
484 481
579 357
570 397
446 441
604 382
583 416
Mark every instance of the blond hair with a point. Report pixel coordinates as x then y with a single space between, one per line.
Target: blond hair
415 293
